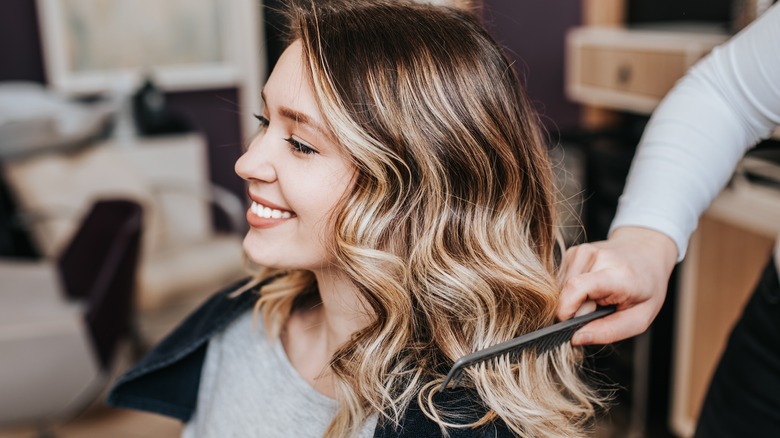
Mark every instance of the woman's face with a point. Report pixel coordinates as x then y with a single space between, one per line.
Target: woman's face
295 171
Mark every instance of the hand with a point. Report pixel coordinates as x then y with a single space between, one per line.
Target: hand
630 270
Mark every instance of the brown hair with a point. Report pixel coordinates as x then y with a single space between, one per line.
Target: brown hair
449 231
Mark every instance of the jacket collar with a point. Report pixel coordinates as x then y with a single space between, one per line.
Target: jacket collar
166 381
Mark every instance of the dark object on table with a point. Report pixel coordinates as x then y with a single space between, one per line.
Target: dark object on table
152 117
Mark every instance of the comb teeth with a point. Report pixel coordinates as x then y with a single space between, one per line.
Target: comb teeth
542 340
555 339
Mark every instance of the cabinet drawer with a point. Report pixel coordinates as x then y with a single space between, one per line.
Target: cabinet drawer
645 73
630 69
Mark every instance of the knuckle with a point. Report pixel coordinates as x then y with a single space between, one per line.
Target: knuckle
573 284
582 248
604 257
622 271
571 252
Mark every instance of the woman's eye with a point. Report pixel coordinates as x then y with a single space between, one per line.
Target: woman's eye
299 147
263 121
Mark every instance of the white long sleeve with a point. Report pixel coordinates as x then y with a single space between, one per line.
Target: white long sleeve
726 103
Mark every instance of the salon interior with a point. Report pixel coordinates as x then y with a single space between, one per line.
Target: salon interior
120 211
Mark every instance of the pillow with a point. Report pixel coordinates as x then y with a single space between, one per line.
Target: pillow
55 191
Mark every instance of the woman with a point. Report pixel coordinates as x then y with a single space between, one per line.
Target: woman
402 205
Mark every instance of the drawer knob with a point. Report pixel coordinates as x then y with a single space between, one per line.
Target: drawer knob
624 74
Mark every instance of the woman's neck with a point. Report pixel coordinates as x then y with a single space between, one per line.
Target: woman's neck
313 334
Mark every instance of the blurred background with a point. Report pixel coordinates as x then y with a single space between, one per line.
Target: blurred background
120 122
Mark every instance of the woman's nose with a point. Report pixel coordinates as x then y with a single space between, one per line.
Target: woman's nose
257 163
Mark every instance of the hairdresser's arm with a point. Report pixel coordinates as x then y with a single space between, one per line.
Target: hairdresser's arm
689 150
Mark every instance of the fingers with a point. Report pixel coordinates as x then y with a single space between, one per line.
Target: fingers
602 286
577 260
630 270
620 325
588 306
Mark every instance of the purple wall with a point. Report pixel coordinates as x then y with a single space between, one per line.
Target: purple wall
20 44
216 114
533 31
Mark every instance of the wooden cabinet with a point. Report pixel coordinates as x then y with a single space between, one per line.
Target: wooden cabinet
630 69
645 73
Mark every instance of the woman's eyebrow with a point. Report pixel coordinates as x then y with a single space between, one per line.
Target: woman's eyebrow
298 117
302 118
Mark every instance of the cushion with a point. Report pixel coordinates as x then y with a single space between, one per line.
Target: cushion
55 191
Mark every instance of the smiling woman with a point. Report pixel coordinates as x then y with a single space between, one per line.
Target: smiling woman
403 214
296 173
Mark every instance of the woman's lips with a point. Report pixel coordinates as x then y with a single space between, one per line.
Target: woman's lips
263 214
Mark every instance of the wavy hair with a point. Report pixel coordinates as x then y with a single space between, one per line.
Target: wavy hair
449 232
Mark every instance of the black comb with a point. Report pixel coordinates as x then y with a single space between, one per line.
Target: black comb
542 339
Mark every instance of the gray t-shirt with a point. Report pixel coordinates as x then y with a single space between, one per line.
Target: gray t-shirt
248 388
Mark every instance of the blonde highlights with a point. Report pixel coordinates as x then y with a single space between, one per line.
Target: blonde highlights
449 230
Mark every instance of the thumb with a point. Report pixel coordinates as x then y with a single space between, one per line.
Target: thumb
620 325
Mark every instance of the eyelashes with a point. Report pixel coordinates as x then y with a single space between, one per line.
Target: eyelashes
295 145
299 147
263 121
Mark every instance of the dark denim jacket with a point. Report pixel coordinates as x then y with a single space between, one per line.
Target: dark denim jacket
166 381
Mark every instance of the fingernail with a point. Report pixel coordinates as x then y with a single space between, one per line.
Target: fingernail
582 338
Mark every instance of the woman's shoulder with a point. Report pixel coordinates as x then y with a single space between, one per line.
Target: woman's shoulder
165 381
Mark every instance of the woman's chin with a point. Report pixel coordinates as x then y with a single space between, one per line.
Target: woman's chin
258 253
273 252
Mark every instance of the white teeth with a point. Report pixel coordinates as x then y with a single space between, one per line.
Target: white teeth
269 213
